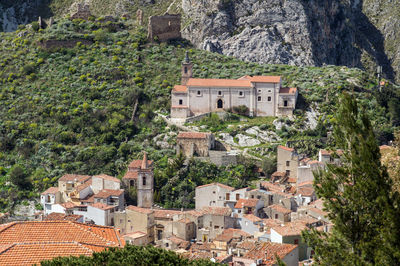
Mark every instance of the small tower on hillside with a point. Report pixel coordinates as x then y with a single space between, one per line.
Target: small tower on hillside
187 69
145 184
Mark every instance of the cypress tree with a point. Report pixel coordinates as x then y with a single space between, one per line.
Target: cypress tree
358 197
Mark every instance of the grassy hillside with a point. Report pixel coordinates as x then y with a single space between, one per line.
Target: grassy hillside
69 110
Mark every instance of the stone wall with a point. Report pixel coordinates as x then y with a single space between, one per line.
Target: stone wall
50 44
164 28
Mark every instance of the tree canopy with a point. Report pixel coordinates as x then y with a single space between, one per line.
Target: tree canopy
358 197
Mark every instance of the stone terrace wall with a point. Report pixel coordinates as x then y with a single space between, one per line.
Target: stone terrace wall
165 27
49 44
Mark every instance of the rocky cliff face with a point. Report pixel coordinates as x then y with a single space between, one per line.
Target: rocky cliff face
299 32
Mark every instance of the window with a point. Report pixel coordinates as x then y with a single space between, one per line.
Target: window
216 227
259 98
269 91
186 70
241 94
258 197
213 192
296 241
220 93
180 101
287 163
159 234
227 196
285 103
288 172
259 91
144 180
210 224
198 93
240 211
269 98
252 196
167 244
129 221
276 216
237 196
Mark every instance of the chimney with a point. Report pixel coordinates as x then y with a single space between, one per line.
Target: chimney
144 163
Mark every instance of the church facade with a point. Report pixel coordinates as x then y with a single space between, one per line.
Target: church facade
262 95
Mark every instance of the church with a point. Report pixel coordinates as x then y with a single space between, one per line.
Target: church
262 95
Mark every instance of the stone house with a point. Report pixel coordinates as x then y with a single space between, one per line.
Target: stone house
248 206
194 144
287 161
136 238
274 194
134 168
100 182
232 197
325 156
251 224
82 12
262 95
227 240
110 197
97 213
67 184
50 197
184 228
164 28
214 194
213 221
278 212
290 233
136 219
305 171
163 220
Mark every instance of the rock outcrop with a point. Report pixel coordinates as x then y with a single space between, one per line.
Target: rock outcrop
298 32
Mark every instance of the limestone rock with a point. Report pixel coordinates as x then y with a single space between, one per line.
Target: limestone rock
246 141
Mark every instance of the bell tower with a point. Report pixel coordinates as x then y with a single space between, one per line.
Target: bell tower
187 69
145 184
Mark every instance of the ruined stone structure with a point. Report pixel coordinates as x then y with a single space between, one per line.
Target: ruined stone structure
82 12
194 144
164 28
139 17
262 95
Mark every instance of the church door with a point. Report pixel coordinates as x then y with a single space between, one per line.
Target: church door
219 104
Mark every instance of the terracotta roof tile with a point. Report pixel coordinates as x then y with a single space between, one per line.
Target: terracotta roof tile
246 203
68 205
131 175
305 191
185 221
105 193
195 213
290 229
278 174
161 213
137 164
108 177
247 245
285 148
267 252
179 88
266 79
50 190
279 208
138 209
102 206
288 90
84 185
217 184
56 216
193 135
220 211
73 177
231 233
195 82
252 218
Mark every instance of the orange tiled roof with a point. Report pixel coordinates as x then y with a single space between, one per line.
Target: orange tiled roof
279 208
278 174
138 209
185 221
105 193
102 206
246 203
50 190
306 191
230 233
68 205
194 82
285 148
247 245
267 252
266 79
131 175
30 242
217 184
137 164
72 177
192 135
290 229
84 185
288 90
195 213
252 217
292 180
179 88
165 213
108 177
56 216
221 211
